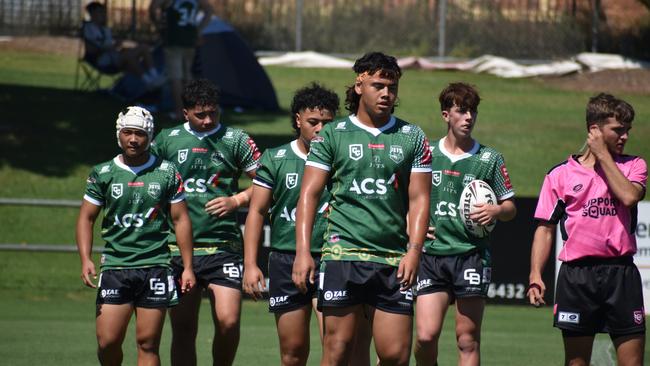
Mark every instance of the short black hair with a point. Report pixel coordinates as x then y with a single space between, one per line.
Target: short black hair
200 92
94 6
603 106
313 96
371 62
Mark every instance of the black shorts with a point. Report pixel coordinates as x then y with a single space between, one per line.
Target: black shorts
222 268
348 283
151 287
598 295
284 296
459 275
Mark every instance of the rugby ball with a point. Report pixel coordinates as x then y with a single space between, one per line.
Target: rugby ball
476 191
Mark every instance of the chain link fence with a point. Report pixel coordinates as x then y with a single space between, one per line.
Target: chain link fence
540 29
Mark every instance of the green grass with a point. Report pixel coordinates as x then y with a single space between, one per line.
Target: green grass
47 317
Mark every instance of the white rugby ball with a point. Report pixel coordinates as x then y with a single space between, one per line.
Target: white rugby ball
476 191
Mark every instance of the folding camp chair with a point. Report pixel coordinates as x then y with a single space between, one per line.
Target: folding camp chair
87 75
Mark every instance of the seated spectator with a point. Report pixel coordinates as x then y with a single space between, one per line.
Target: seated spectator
110 56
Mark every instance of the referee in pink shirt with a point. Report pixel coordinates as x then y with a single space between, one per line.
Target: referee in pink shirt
593 197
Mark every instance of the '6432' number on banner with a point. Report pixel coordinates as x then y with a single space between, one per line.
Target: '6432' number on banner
506 290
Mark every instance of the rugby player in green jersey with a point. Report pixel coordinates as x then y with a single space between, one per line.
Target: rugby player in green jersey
456 265
139 194
378 169
277 186
210 157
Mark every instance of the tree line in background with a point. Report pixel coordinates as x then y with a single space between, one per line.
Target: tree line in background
528 29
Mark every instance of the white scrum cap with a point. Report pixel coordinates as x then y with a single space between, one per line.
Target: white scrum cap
134 117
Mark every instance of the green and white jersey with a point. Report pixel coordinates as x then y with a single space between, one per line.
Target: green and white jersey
136 210
210 164
450 175
370 171
281 171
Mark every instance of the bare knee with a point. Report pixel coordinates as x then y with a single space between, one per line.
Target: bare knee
295 356
468 343
229 324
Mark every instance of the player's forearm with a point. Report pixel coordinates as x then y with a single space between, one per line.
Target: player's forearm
243 198
84 238
621 187
183 231
508 210
305 215
419 201
541 249
252 235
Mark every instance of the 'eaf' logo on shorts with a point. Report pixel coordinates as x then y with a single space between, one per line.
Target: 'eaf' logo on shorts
356 151
291 180
182 155
566 317
116 190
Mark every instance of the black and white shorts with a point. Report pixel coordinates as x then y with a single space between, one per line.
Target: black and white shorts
151 287
222 269
348 283
466 275
284 296
599 295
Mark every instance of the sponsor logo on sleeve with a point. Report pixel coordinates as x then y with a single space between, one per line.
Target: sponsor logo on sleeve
281 153
164 166
486 156
182 155
506 177
291 180
340 126
105 169
356 151
407 129
116 190
174 133
228 135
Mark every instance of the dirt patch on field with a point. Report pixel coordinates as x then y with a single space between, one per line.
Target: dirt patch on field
68 46
613 81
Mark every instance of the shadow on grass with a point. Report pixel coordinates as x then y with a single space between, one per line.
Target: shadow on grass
52 131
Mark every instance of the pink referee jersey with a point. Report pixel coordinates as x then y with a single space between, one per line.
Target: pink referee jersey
592 221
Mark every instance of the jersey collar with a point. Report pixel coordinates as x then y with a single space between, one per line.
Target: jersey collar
296 150
201 135
455 158
134 169
373 130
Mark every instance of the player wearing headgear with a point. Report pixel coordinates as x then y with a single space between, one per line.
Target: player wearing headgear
378 169
139 194
593 197
456 265
210 157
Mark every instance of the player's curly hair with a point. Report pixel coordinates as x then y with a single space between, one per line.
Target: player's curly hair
462 95
313 96
201 92
371 62
603 106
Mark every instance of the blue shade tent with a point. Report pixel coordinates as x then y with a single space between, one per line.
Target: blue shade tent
225 58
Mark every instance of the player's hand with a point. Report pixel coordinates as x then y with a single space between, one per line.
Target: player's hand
484 213
254 282
88 270
596 142
535 293
407 271
187 281
221 206
303 271
431 233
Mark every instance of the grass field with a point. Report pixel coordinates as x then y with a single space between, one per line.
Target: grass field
51 135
